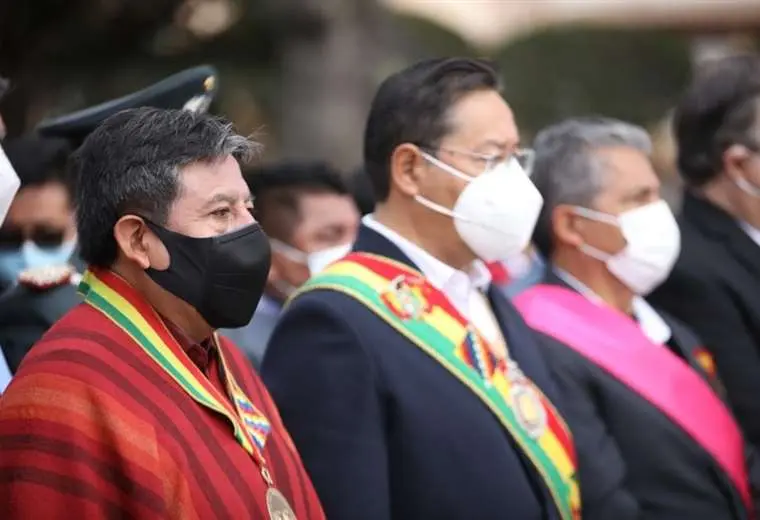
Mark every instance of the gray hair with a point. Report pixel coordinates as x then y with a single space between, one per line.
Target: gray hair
567 169
131 164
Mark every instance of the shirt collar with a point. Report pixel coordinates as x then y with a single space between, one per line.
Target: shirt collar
439 274
751 231
652 325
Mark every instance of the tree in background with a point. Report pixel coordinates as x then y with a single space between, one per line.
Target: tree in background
304 71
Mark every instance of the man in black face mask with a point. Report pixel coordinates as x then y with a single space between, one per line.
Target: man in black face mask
136 377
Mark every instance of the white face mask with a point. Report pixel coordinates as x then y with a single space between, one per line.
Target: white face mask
653 242
496 212
9 184
316 261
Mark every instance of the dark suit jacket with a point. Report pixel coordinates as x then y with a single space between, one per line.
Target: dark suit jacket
383 429
634 461
715 289
26 314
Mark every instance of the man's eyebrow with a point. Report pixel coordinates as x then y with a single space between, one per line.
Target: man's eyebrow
219 197
502 145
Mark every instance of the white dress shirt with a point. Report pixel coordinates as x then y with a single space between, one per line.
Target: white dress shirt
651 323
463 289
751 231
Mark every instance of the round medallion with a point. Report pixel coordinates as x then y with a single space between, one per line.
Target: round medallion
278 507
529 410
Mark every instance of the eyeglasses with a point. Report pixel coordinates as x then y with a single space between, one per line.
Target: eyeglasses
43 236
524 157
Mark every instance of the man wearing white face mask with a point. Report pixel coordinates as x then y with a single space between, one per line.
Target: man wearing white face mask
643 398
307 211
715 285
411 387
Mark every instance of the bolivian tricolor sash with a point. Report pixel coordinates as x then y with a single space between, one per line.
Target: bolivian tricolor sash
119 302
404 299
616 343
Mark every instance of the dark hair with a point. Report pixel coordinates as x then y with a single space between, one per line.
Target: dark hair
38 160
5 85
131 164
412 106
718 110
279 187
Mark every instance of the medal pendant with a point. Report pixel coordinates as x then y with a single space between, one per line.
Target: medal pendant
529 411
277 506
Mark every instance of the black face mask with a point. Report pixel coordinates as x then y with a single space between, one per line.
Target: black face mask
222 277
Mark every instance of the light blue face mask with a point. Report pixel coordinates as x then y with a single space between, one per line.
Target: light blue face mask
13 261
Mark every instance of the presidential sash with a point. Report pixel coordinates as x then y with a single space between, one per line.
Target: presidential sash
404 299
119 302
616 343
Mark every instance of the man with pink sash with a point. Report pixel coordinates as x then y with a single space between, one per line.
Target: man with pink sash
644 401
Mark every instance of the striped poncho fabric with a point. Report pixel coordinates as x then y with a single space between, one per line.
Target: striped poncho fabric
91 428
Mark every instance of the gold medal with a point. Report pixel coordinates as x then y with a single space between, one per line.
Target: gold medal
278 507
526 403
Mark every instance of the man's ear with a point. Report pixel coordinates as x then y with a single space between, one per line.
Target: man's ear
566 227
406 168
734 159
131 236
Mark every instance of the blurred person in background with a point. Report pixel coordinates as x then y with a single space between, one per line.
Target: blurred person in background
47 289
715 285
39 230
131 406
655 439
307 211
411 386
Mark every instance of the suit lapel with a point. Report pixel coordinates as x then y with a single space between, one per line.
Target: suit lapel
517 336
370 241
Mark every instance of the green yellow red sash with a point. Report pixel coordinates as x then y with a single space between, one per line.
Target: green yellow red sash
404 299
119 302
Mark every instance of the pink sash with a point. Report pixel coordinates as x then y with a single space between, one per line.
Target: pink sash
615 343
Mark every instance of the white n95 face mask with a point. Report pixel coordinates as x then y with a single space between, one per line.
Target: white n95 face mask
496 212
316 261
9 184
653 243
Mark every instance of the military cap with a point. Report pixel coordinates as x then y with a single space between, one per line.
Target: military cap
191 89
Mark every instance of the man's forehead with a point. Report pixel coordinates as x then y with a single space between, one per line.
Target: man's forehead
212 181
627 168
483 118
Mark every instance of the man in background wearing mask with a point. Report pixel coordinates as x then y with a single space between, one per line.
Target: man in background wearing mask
311 220
47 290
715 285
39 229
651 429
411 387
134 386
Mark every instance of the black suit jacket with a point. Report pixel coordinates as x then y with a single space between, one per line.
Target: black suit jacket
384 430
26 314
715 289
635 463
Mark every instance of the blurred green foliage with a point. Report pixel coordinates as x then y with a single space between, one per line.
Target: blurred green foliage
65 54
635 75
